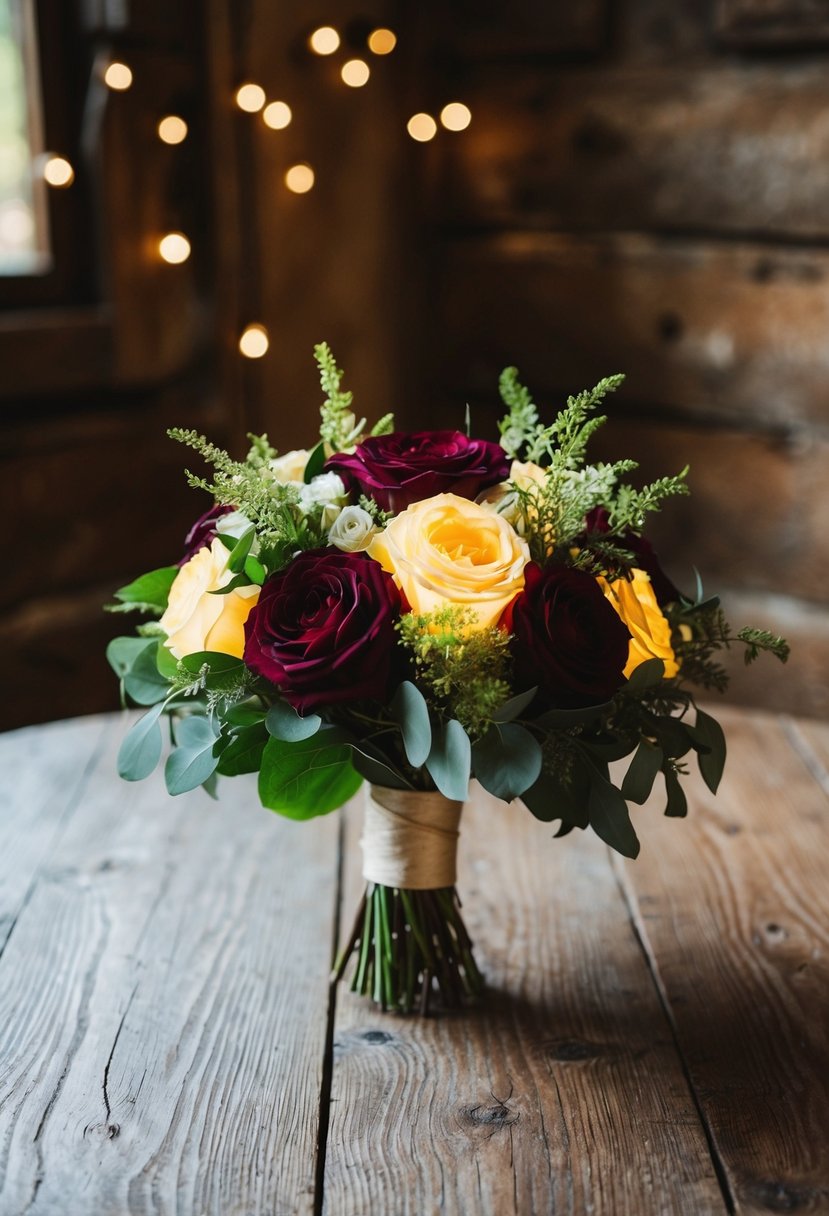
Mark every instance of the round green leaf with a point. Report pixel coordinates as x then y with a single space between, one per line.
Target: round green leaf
411 713
306 778
140 750
283 722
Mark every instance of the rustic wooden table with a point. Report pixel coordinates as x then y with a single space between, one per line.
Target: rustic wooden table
655 1038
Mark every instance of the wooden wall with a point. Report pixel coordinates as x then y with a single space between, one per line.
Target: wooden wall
645 188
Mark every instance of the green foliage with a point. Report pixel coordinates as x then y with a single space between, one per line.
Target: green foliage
195 757
337 429
308 778
756 640
518 427
450 760
146 594
464 671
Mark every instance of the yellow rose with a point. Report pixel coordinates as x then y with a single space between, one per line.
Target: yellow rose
636 604
290 468
196 620
527 475
448 550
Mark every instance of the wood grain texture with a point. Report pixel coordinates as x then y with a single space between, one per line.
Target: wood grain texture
709 148
563 1092
733 910
163 1002
721 331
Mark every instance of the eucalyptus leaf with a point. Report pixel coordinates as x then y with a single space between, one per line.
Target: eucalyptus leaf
645 675
195 758
507 760
641 774
376 770
409 710
149 593
121 653
283 722
306 778
711 762
449 761
512 708
140 749
610 818
568 718
144 683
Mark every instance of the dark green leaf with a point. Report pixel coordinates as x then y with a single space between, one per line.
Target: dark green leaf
315 464
238 580
229 542
240 551
507 761
411 713
449 760
712 762
512 708
308 778
645 675
550 798
609 749
224 671
243 753
673 736
641 773
144 683
610 818
140 750
283 722
377 768
148 593
567 718
121 653
244 713
677 807
195 759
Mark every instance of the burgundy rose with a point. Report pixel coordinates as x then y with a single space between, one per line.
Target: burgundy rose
397 470
203 532
568 638
323 629
598 520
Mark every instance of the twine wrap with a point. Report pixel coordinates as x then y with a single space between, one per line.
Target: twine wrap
410 838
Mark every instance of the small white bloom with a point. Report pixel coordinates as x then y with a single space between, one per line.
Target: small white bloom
326 489
353 530
330 514
233 524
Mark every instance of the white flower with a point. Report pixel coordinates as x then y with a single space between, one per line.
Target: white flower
352 530
327 490
289 469
233 524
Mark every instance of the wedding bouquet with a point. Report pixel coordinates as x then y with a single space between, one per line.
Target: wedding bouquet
414 610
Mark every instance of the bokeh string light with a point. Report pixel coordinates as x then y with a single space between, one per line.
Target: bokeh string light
300 178
455 116
355 73
172 129
422 127
324 41
250 97
57 171
118 76
174 248
277 115
382 41
254 341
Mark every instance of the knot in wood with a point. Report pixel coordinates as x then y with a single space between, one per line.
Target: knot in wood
376 1037
569 1050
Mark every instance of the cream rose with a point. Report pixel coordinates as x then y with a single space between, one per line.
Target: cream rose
448 550
635 601
353 530
196 620
290 468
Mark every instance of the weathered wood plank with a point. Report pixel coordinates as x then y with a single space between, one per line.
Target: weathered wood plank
739 150
720 331
163 1007
563 1092
734 913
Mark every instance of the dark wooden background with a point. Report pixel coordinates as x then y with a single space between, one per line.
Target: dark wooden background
644 187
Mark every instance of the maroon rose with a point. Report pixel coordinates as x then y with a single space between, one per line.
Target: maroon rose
203 532
568 638
323 629
598 520
397 470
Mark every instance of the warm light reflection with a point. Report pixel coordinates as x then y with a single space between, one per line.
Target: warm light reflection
174 248
300 178
277 115
172 129
253 342
324 41
422 127
456 116
355 73
250 97
58 172
382 42
118 76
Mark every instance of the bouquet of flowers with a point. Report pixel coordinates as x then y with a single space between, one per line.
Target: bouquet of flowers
414 610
